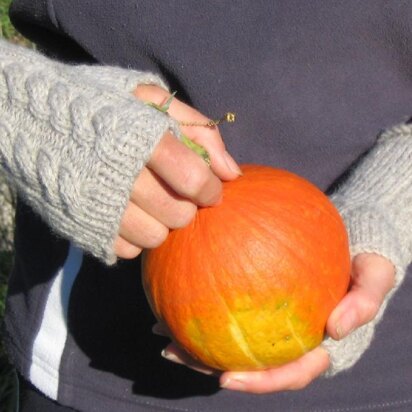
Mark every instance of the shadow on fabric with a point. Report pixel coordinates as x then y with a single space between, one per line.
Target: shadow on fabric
111 324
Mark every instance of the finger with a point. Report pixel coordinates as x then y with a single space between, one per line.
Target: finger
158 200
372 279
174 354
141 229
161 329
292 376
222 164
125 250
185 172
152 93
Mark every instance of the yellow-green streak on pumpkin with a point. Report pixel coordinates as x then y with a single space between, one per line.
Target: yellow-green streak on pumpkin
265 336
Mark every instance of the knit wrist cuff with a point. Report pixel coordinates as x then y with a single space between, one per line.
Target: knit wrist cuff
374 230
376 204
117 78
127 139
73 146
376 199
370 230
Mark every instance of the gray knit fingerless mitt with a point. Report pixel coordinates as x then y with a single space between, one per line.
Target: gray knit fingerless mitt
73 140
376 205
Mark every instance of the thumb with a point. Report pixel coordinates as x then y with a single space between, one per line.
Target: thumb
372 278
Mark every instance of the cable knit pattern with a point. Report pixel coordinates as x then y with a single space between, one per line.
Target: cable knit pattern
376 205
73 140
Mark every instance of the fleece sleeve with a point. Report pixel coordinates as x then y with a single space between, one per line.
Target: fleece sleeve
72 141
376 205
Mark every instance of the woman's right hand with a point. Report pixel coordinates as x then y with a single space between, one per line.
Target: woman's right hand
175 181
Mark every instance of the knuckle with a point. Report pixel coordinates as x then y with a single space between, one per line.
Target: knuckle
157 236
195 181
212 134
184 216
128 251
368 308
304 380
152 93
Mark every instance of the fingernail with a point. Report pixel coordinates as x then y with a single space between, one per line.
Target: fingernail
237 384
231 164
345 325
158 330
170 356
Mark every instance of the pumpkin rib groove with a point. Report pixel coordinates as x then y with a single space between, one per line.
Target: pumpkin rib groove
212 283
311 200
284 212
278 240
290 325
238 335
290 216
205 348
249 221
296 336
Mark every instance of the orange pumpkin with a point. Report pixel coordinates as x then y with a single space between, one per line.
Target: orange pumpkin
250 283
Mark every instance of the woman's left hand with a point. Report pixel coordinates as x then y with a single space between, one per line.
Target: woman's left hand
372 278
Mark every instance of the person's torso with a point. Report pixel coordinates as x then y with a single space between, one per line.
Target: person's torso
312 85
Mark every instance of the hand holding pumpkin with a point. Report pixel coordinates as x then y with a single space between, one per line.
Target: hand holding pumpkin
372 279
250 284
275 332
174 182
